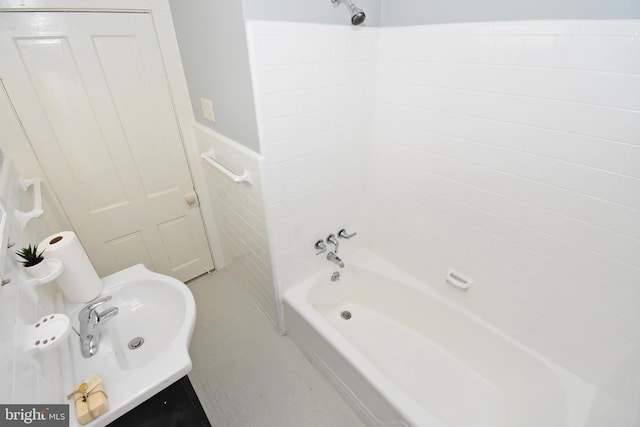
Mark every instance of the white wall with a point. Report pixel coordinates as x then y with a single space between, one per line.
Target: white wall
511 152
315 86
312 11
240 217
390 13
213 45
508 151
419 12
26 377
213 48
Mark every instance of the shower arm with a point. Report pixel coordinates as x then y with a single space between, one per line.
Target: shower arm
357 15
349 3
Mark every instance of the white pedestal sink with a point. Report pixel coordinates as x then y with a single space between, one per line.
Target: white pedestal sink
156 308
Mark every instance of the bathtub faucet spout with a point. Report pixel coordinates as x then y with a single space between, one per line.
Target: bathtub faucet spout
335 259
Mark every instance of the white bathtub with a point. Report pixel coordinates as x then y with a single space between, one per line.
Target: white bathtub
407 356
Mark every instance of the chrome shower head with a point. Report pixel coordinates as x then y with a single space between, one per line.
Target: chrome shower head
357 15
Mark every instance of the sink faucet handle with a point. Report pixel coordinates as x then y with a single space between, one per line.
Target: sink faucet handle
87 309
344 235
332 239
108 314
320 247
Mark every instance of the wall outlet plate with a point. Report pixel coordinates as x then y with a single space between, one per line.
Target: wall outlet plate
207 109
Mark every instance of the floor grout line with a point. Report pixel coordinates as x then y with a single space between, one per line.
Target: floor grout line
246 375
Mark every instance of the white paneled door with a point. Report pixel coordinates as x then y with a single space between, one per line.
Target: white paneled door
91 92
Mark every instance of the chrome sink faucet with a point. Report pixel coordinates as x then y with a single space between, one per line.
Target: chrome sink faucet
91 323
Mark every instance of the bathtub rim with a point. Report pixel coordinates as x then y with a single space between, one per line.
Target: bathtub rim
577 392
412 412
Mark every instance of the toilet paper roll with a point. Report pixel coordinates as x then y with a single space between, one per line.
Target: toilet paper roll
78 281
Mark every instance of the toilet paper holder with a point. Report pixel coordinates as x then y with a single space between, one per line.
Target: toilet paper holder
24 217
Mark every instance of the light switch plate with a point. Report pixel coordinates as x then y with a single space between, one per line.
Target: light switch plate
207 109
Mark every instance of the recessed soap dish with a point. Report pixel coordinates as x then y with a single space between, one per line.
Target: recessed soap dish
459 280
47 333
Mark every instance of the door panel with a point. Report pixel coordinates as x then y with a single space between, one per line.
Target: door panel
172 231
59 88
91 92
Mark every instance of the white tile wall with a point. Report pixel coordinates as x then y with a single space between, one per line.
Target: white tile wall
239 214
314 89
513 155
26 378
509 151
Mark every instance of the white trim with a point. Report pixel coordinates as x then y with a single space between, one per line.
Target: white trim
84 5
244 151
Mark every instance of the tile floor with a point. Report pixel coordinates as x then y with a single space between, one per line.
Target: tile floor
245 374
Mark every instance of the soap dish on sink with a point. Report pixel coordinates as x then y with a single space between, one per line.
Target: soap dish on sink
47 333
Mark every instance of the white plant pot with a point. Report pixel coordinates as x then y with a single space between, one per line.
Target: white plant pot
39 270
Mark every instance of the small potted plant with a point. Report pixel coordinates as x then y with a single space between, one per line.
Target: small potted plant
33 261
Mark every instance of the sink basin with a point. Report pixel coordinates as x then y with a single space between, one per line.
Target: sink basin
144 348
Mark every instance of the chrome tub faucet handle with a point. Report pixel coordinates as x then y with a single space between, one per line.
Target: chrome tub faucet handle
320 247
344 235
333 240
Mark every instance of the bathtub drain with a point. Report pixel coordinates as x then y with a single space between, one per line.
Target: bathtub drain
136 343
346 315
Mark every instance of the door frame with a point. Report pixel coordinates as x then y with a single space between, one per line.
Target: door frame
165 34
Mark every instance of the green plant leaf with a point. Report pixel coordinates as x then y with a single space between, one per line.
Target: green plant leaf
30 255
